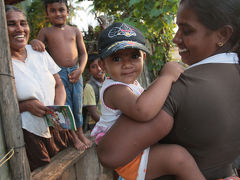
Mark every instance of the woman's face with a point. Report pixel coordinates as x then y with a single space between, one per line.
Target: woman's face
195 42
18 29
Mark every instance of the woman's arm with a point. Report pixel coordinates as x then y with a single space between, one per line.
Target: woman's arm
127 138
34 106
60 93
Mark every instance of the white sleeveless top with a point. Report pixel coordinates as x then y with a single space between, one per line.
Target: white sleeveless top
109 116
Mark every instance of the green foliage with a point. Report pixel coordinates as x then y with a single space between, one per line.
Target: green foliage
154 18
37 18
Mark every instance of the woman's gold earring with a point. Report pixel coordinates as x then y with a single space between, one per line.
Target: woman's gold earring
220 44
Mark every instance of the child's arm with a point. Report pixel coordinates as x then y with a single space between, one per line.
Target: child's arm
82 53
38 44
148 104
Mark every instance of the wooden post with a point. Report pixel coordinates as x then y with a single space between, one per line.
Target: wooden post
11 119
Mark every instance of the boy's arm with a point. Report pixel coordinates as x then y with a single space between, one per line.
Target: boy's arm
89 101
148 104
38 44
82 53
93 113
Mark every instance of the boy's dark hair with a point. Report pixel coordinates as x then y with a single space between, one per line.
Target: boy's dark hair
91 58
46 2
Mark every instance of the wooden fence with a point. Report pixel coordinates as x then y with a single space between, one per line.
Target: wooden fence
10 123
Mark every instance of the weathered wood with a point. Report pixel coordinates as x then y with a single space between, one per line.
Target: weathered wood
89 167
4 169
71 164
59 164
9 112
70 173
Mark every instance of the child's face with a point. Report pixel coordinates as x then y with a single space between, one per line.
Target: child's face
96 71
57 13
125 65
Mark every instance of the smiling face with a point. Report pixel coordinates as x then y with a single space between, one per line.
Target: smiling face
18 29
96 71
194 40
57 13
125 65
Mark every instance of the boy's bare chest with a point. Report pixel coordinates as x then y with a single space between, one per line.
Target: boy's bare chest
61 36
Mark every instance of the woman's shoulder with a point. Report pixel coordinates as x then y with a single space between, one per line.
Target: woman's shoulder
30 50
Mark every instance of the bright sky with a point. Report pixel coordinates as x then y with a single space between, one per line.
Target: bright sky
83 16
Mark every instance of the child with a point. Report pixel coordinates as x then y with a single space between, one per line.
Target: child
65 44
122 50
92 90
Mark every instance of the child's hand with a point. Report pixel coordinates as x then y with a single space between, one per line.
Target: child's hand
75 76
37 45
173 70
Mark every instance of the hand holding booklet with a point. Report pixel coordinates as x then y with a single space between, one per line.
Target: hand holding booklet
61 115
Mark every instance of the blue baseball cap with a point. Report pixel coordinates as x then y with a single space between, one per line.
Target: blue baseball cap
120 36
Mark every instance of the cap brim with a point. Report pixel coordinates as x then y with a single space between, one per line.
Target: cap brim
122 45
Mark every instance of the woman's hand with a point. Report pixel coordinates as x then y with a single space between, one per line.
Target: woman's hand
34 106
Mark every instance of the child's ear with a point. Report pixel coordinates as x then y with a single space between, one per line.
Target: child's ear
144 56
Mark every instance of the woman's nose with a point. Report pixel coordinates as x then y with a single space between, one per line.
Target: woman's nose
177 38
19 27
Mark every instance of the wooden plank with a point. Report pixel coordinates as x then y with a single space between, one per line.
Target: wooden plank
89 166
4 169
69 174
59 164
9 112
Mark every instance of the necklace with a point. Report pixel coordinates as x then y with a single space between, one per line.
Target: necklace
62 27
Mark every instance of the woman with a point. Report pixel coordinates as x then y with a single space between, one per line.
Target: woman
38 85
201 112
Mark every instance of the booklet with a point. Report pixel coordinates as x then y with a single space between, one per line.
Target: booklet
61 115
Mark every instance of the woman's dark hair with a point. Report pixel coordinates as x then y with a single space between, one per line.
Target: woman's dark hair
46 2
215 14
10 7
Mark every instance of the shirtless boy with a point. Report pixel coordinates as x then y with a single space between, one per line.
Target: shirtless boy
65 45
